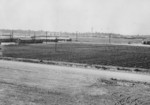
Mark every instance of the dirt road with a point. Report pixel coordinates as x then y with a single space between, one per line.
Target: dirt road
31 72
40 84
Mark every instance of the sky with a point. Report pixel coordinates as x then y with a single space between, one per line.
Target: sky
126 17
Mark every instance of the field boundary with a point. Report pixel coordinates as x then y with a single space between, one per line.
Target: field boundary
79 65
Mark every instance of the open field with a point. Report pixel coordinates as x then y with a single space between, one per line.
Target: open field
102 54
39 84
106 40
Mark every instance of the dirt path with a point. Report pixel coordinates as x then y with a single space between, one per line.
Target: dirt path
40 84
41 73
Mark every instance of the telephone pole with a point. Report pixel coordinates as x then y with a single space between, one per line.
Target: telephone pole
46 37
76 36
29 33
56 40
34 36
92 31
11 36
109 38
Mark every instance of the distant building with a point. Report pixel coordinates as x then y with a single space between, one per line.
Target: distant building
146 42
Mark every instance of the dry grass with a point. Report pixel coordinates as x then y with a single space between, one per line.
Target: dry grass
102 92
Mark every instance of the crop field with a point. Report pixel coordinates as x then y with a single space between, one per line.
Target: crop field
102 54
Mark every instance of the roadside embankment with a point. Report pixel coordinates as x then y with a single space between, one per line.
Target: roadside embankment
80 65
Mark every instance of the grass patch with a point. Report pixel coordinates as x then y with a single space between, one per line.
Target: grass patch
116 55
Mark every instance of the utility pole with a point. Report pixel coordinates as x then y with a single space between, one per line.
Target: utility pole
92 31
1 50
29 33
46 37
11 36
34 36
109 38
56 40
76 36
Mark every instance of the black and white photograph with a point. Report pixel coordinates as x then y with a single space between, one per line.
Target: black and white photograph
74 52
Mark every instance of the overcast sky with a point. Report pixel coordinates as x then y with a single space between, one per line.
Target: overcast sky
117 16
